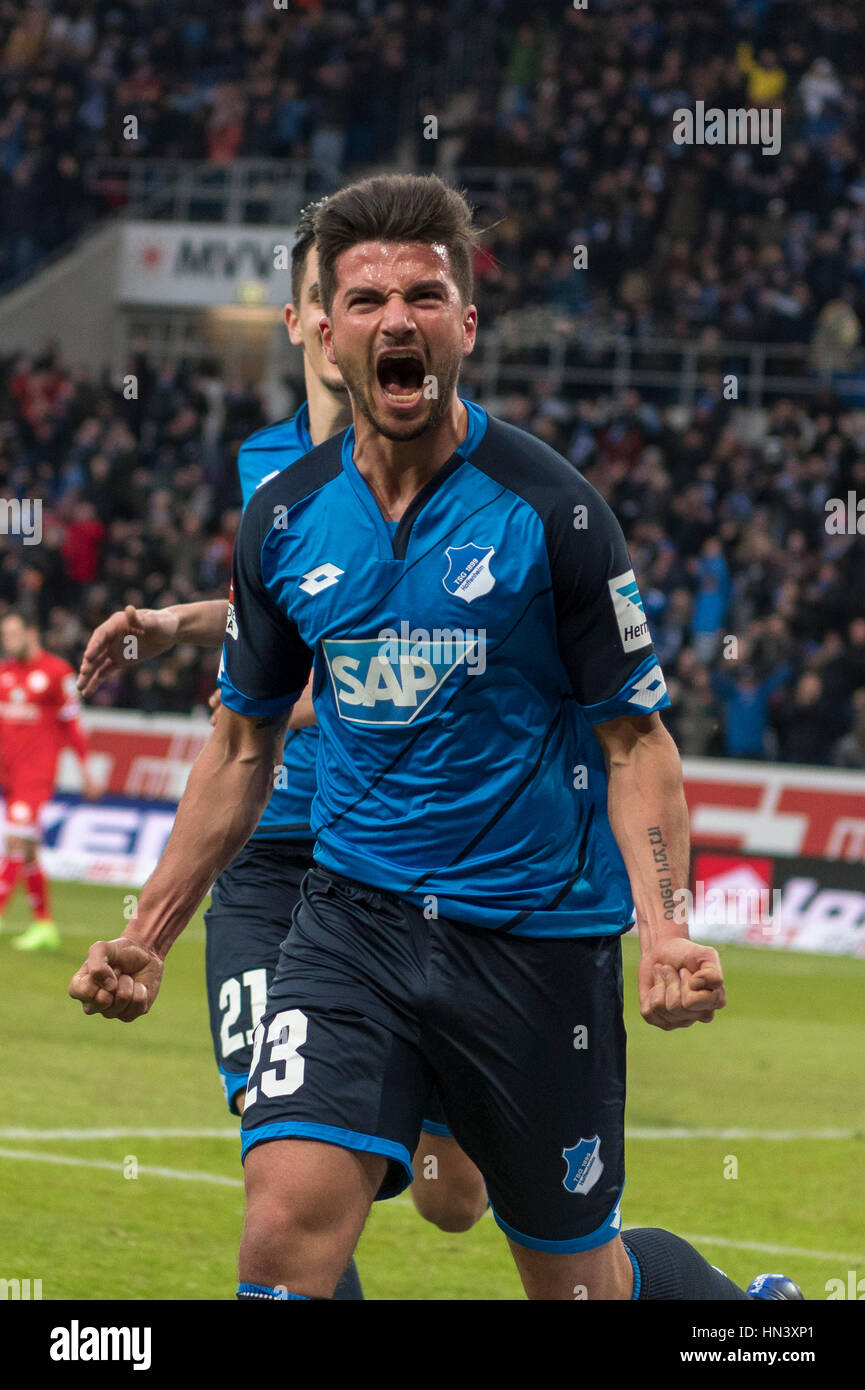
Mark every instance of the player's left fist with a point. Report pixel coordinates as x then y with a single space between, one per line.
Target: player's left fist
119 979
681 982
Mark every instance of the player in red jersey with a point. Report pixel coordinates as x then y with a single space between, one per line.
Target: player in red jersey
39 710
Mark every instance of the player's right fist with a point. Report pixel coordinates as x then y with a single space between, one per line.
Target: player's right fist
119 979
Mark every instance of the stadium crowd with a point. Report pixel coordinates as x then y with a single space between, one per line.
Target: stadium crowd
681 239
577 103
211 83
755 603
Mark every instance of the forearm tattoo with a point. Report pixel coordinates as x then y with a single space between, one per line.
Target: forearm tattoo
658 846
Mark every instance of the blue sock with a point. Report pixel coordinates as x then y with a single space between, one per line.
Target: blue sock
245 1291
348 1290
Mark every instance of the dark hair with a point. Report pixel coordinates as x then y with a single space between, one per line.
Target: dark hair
396 207
304 237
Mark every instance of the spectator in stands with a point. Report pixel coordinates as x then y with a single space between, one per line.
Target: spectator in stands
713 597
746 707
697 714
807 722
670 633
767 80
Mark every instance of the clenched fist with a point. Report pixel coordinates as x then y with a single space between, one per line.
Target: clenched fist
680 982
119 979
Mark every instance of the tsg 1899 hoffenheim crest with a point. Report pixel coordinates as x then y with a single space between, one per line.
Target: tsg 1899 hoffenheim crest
468 573
584 1165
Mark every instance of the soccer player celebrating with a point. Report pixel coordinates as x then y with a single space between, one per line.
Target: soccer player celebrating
495 795
253 898
39 712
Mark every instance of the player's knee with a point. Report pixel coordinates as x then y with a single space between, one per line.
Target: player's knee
272 1217
456 1219
276 1240
299 1244
454 1208
286 1207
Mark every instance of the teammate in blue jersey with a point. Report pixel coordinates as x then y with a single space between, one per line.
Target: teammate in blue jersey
252 900
470 608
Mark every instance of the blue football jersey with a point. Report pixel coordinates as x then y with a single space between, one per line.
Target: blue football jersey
461 658
286 816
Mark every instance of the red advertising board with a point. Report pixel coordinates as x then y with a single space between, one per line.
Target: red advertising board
775 809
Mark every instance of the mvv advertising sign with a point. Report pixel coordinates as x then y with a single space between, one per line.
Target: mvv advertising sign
204 263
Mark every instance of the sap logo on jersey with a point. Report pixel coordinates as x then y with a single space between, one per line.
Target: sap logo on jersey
630 614
375 684
468 573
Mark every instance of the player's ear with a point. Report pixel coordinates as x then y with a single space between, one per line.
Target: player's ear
327 339
292 323
470 328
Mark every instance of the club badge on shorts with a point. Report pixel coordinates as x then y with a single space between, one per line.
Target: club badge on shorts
584 1165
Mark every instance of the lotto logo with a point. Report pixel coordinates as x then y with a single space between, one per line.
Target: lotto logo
648 690
322 577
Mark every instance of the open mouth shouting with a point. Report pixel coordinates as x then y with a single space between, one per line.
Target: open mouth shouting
400 373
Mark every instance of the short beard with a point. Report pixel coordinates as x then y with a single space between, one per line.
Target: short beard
440 405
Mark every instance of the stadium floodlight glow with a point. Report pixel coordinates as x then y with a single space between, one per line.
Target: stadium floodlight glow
251 292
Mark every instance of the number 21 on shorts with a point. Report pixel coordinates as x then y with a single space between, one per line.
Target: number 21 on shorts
286 1033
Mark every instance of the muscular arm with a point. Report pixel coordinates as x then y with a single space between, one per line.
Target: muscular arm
201 624
134 635
680 980
227 791
649 818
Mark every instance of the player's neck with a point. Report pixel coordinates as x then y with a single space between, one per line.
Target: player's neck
396 470
329 411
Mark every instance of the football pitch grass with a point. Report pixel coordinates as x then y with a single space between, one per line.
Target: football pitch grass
773 1091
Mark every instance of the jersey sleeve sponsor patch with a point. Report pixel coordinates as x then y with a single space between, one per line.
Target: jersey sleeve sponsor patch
630 614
